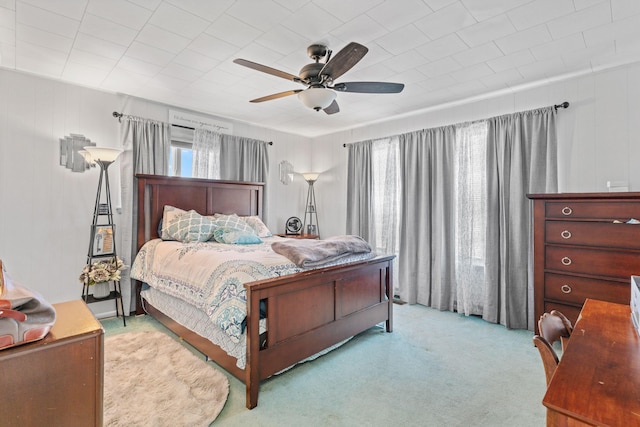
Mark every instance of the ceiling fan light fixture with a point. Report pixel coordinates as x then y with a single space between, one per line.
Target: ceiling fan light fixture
317 98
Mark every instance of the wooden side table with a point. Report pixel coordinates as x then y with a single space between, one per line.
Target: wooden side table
299 236
57 381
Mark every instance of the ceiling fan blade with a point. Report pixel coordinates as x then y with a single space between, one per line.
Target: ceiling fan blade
265 69
332 108
276 95
344 60
369 87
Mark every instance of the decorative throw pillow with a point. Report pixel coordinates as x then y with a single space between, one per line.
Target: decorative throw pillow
191 227
233 229
169 215
235 237
258 226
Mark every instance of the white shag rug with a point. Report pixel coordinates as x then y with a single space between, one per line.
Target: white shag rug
152 380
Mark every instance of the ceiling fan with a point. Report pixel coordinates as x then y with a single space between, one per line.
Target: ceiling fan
319 77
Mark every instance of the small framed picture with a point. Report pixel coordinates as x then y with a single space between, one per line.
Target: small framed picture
103 240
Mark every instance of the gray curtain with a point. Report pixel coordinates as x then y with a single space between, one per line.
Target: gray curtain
427 213
360 190
521 159
464 219
245 159
146 145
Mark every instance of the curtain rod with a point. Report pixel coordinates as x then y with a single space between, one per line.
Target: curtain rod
119 117
565 104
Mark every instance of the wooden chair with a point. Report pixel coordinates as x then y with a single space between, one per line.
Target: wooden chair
554 327
549 357
550 362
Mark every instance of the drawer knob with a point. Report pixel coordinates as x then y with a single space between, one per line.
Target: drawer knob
566 234
566 261
567 210
565 289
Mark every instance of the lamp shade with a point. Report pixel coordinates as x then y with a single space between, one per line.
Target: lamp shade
86 156
311 176
317 98
103 153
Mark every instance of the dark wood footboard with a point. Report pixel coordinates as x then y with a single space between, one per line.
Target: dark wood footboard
309 312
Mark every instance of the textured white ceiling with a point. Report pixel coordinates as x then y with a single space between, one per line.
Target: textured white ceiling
180 52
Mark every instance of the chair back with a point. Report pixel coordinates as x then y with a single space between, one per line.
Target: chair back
554 327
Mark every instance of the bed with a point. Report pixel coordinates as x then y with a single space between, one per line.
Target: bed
303 313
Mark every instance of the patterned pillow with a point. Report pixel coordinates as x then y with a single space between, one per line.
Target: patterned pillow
258 226
233 229
232 222
191 227
169 214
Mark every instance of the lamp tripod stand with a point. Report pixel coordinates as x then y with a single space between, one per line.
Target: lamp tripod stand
311 212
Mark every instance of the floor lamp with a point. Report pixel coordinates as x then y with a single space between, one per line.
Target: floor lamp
310 208
102 243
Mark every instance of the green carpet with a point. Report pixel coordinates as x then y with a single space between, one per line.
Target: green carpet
435 369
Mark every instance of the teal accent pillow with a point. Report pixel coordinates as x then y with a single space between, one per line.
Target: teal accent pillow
190 227
235 237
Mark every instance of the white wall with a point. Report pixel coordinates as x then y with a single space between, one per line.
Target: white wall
46 210
597 135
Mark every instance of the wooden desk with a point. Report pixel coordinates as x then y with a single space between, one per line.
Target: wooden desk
598 379
57 381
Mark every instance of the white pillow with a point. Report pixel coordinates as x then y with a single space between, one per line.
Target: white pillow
258 226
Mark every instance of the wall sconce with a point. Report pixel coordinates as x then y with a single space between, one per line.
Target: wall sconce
70 152
286 172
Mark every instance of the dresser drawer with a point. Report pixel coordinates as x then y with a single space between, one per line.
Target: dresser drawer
574 289
622 211
597 262
604 234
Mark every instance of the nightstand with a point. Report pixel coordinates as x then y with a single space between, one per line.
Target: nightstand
57 381
299 236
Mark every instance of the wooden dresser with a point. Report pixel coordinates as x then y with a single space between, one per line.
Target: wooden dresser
57 381
581 251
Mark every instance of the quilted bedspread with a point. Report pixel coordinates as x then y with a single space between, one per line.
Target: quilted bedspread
210 276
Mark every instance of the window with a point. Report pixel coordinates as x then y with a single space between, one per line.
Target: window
470 165
181 154
385 198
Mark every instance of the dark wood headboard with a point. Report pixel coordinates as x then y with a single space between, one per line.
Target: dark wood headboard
205 196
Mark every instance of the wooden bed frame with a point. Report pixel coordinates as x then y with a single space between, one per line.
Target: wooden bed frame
306 312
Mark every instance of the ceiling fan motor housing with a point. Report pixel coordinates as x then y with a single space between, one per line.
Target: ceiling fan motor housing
309 73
